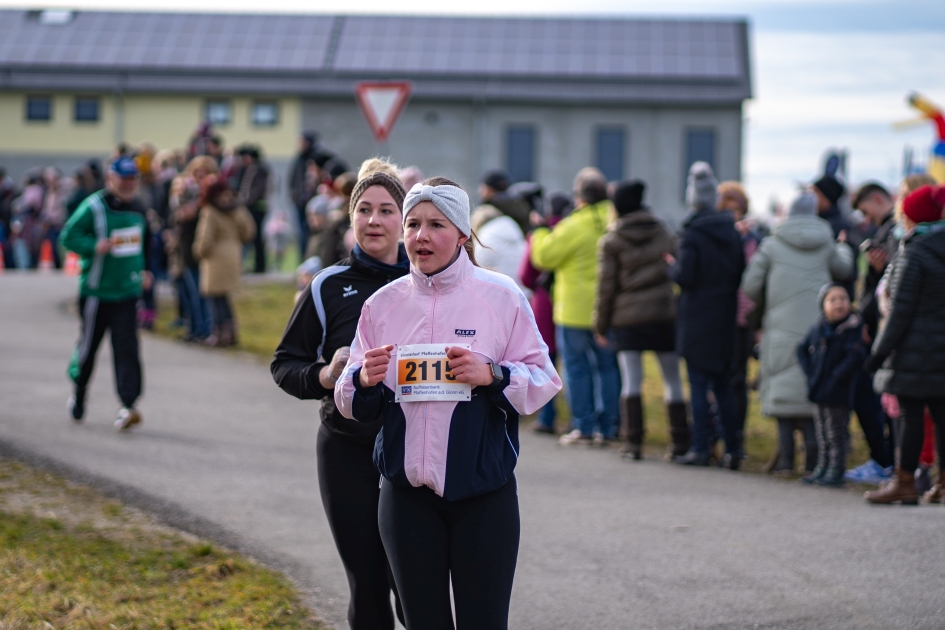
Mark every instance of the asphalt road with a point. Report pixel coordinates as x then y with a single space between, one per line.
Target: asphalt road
606 543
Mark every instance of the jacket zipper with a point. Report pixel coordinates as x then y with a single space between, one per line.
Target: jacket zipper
426 406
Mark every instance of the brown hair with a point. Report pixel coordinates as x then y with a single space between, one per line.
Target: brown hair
469 246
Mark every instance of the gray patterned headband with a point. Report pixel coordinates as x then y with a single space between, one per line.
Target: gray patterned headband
452 201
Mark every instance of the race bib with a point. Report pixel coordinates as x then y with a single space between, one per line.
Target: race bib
126 242
423 374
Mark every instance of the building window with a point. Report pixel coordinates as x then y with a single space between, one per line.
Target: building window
39 108
265 114
218 112
700 147
611 148
520 153
86 109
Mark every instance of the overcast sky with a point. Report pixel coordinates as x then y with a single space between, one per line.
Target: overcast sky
826 74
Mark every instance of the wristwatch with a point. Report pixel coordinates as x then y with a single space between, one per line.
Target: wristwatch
497 373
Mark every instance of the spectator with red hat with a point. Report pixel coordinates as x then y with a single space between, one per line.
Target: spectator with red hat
911 347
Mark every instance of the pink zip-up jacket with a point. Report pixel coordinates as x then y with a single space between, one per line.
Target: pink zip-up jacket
459 449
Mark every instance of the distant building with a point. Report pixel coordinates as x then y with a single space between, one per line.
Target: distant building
541 97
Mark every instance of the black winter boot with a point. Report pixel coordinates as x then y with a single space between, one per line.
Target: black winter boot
679 434
631 412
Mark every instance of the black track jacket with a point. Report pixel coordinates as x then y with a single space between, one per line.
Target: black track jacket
325 318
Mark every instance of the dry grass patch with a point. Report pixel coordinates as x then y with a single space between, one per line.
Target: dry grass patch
70 558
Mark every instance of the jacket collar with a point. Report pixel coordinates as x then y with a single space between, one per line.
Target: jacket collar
450 278
372 266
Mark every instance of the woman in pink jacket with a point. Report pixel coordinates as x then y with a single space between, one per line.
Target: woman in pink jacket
449 357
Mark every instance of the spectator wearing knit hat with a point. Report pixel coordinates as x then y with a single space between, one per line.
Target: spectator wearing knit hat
911 346
495 198
636 309
709 269
786 275
829 190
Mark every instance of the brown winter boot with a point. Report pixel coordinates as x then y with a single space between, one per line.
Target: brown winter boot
679 435
899 489
631 412
228 334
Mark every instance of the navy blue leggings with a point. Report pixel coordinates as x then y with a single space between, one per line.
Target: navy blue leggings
431 541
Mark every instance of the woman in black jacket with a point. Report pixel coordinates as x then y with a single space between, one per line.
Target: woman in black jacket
322 325
911 347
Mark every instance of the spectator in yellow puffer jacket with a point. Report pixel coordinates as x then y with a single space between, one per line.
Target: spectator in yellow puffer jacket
570 251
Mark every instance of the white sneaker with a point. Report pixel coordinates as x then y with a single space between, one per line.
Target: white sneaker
127 418
575 437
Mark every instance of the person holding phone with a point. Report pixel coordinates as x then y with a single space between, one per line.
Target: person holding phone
447 359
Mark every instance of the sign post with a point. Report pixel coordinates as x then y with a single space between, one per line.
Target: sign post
382 103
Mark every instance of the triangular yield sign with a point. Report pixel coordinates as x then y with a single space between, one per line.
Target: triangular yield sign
382 104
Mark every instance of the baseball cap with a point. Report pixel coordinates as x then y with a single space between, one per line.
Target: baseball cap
124 167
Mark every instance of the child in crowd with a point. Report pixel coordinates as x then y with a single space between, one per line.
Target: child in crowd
831 355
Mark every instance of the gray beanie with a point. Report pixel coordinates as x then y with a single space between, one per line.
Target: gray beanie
452 201
702 187
804 204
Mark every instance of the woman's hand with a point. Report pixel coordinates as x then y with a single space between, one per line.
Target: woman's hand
669 259
468 368
374 368
601 340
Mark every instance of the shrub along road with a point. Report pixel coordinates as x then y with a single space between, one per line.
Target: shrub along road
606 543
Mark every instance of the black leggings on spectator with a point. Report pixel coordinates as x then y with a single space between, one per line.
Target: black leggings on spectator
348 481
786 428
472 542
913 430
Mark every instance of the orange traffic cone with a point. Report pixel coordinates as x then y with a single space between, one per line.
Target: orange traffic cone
71 265
46 256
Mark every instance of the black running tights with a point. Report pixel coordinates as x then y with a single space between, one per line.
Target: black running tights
472 542
348 481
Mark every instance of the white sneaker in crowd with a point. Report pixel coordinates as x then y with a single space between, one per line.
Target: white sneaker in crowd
127 418
575 437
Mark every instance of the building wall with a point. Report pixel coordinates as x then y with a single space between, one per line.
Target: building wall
461 141
167 121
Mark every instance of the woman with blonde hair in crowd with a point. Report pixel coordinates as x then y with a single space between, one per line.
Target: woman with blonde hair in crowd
308 363
184 205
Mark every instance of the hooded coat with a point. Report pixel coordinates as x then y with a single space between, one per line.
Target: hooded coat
634 286
912 343
786 274
710 266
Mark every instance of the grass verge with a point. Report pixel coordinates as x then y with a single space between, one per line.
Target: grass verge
70 558
263 310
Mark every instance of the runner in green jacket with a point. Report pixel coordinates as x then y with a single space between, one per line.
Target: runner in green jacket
110 234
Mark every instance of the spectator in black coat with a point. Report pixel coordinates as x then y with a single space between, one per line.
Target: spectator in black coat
709 270
829 190
253 189
911 347
831 356
298 188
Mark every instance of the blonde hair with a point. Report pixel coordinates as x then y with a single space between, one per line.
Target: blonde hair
202 161
378 165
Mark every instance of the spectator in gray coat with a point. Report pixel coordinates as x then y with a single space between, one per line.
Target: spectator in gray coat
785 276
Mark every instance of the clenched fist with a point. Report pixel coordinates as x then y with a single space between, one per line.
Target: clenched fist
374 367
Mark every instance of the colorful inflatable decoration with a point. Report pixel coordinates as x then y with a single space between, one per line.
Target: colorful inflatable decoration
936 167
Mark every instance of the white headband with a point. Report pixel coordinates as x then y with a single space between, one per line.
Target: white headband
452 201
